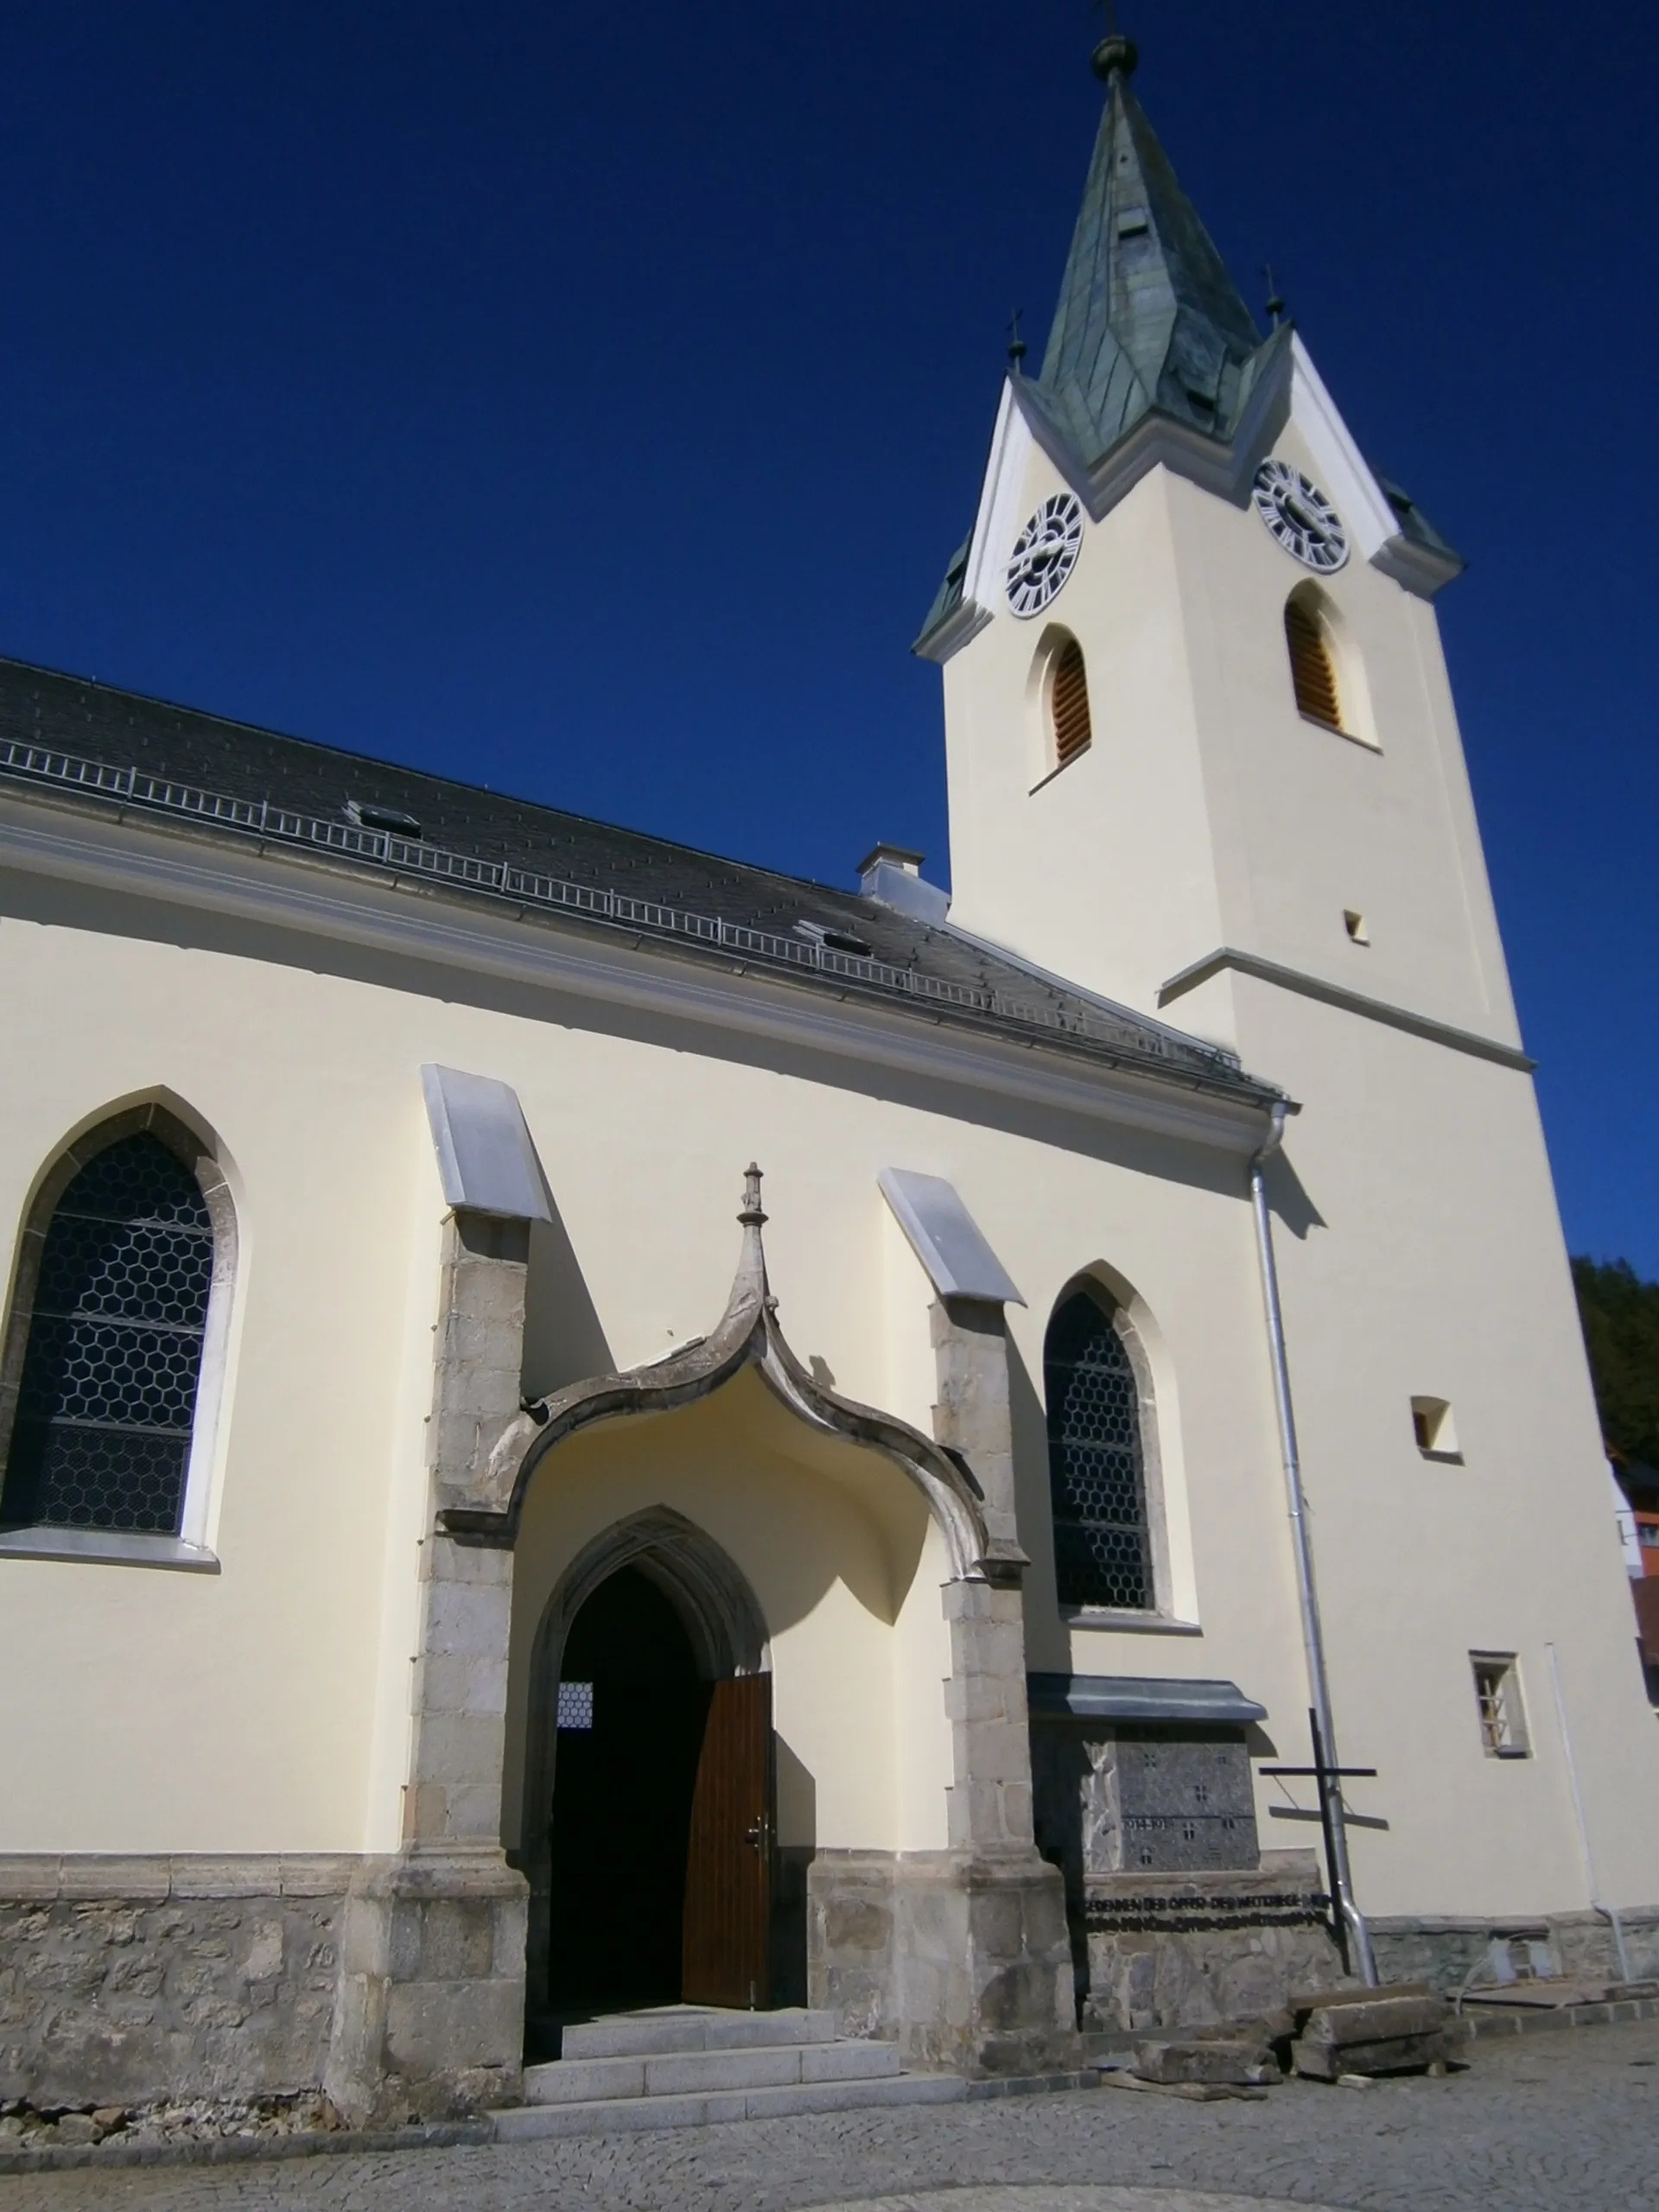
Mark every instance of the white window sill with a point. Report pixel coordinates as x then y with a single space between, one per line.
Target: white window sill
106 1547
1335 729
1058 769
1120 1623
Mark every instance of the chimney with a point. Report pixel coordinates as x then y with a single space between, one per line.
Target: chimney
892 875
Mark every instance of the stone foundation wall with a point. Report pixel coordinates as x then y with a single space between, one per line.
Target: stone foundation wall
1174 1950
128 1980
1176 1918
962 1959
1450 1952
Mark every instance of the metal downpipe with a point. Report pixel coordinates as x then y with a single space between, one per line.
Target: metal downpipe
1312 1636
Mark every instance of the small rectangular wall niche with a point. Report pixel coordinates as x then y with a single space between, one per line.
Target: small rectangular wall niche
1435 1430
1357 927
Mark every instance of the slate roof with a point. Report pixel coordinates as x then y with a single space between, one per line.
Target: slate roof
90 745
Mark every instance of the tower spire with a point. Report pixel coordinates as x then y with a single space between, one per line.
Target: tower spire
1148 315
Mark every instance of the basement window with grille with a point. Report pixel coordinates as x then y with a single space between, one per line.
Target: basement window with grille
1070 725
1097 1462
1313 665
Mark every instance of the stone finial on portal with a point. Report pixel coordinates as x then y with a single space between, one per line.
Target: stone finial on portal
751 1216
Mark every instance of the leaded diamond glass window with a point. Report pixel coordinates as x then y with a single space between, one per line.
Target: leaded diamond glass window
101 1439
1096 1469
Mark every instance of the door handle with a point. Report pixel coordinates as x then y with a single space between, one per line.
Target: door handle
758 1835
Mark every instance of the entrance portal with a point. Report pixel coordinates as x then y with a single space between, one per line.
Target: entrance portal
661 1838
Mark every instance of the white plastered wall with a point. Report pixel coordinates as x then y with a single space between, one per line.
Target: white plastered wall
1307 823
1420 1248
1096 871
1432 1264
832 1541
266 1707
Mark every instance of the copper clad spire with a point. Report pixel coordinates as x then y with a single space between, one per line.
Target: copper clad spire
1149 318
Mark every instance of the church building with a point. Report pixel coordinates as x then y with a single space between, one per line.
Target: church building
1110 1527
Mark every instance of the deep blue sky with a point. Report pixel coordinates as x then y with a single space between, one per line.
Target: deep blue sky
583 400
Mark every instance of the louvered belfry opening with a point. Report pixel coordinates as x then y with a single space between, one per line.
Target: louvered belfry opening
1313 669
1069 704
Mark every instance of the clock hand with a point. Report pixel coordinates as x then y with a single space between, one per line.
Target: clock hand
1303 520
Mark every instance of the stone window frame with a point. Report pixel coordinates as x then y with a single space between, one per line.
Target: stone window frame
1117 1306
200 1155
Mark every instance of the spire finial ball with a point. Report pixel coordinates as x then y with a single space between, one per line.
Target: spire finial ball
1116 56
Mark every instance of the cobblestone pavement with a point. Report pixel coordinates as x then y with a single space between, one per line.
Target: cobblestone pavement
1565 2122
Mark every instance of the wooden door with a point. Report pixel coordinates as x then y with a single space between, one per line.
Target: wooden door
727 1939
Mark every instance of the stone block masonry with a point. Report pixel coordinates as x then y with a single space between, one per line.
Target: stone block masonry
129 1980
1452 1952
1175 1950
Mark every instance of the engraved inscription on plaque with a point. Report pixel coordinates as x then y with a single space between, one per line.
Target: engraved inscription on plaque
1117 1798
1184 1806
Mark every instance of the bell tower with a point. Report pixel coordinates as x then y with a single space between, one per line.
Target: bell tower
1197 719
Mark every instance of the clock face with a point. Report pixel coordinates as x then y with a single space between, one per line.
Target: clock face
1300 516
1044 554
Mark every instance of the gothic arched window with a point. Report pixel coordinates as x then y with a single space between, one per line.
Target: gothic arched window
1096 1461
107 1338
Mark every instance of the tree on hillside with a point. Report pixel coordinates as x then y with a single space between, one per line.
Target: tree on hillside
1620 1314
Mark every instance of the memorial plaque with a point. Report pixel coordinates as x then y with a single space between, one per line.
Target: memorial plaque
1184 1805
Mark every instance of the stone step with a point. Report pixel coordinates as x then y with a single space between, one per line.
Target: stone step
629 2115
693 2027
763 2066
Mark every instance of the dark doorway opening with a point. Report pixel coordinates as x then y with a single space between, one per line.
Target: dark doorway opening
632 1718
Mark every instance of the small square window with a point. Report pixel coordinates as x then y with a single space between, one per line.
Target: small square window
576 1706
1357 926
1646 1532
1435 1430
1497 1699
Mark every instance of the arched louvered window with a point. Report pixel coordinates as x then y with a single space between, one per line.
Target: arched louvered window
106 1399
1096 1464
1313 663
1069 704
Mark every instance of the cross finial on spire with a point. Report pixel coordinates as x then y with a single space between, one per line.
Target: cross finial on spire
1017 347
1274 303
1115 55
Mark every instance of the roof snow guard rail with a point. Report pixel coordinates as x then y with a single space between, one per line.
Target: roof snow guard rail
261 818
